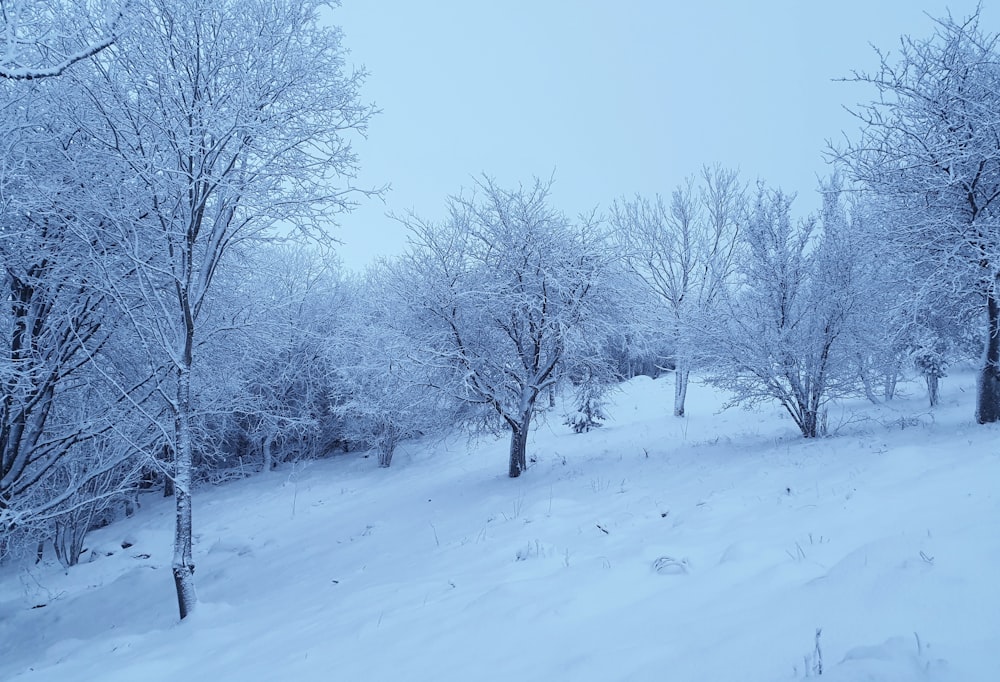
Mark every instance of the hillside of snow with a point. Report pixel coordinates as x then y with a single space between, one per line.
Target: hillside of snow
717 547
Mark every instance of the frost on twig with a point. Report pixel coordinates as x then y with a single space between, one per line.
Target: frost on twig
34 46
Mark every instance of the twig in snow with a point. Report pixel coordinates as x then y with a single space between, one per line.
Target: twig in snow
818 654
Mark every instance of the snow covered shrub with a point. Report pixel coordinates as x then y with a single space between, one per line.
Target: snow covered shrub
589 403
588 415
930 360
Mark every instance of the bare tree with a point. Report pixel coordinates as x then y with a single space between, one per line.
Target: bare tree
930 152
501 298
787 332
230 118
683 252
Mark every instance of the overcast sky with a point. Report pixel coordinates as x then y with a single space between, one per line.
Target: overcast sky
612 97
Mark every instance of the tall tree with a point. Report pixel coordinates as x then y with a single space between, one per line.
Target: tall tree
929 150
683 251
230 118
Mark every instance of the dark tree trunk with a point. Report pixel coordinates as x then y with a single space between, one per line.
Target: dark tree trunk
806 415
519 446
932 388
168 480
988 398
810 424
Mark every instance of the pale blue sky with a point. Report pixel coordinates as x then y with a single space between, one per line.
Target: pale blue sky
614 97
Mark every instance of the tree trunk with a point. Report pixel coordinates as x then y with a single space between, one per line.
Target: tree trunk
519 445
805 415
932 388
681 375
385 456
183 561
866 382
265 446
810 424
988 397
386 441
889 385
168 480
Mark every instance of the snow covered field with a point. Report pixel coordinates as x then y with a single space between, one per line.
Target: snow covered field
707 548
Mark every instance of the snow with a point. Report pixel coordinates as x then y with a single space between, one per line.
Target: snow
654 548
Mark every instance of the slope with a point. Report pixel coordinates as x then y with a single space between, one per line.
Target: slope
717 547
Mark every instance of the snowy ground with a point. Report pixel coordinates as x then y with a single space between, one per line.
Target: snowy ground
709 548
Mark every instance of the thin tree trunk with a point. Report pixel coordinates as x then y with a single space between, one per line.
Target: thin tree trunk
932 388
183 561
988 398
265 447
518 446
889 385
866 382
168 480
681 375
385 455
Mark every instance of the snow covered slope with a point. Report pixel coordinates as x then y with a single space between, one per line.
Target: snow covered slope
708 548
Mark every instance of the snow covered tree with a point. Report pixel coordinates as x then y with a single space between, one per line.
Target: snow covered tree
787 332
501 299
930 359
383 393
230 118
589 401
929 151
683 252
58 372
291 297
